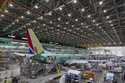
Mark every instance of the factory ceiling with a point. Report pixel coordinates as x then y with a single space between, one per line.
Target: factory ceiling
70 22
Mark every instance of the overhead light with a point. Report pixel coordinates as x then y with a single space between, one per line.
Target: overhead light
86 26
36 7
81 23
74 1
46 1
51 22
22 17
100 27
6 11
17 20
64 28
89 16
59 19
111 25
50 13
58 25
34 21
93 20
82 9
44 24
104 11
97 24
72 25
60 8
110 21
2 15
67 22
76 19
28 12
101 2
69 15
10 5
107 17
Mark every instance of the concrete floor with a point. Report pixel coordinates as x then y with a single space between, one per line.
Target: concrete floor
100 78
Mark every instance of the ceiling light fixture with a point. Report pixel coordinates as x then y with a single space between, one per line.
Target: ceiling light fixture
107 17
36 7
67 22
46 1
22 17
82 9
110 21
59 19
65 28
97 24
72 25
104 11
50 13
74 1
86 26
101 2
60 8
69 15
89 16
111 25
17 20
28 12
51 22
76 19
44 24
34 21
81 23
10 5
2 15
58 25
93 20
100 27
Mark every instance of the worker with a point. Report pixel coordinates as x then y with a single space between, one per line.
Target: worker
14 80
124 76
5 80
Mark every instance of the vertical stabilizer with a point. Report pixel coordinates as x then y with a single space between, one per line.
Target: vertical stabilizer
34 43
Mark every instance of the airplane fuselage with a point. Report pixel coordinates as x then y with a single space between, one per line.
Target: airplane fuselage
57 58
